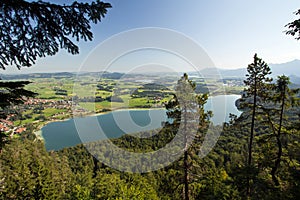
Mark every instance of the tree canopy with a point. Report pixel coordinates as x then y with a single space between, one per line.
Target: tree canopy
37 29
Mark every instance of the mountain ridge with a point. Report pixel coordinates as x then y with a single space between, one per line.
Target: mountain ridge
291 68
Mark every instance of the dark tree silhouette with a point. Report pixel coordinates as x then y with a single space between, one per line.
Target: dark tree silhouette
294 27
37 29
13 93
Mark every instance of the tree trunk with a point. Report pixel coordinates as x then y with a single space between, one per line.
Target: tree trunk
186 179
279 144
251 138
185 159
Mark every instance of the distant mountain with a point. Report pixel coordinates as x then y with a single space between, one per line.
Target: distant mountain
289 69
295 79
234 73
218 73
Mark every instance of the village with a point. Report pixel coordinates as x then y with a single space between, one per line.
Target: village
35 111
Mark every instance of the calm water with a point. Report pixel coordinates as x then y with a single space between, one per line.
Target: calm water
221 106
62 134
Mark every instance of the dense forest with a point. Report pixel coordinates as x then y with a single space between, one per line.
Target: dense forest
255 157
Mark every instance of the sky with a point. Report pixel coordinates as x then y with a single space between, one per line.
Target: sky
229 31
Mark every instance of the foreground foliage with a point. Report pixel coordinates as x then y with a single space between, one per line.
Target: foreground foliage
37 29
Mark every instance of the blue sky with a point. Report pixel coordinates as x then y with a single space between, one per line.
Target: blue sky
230 31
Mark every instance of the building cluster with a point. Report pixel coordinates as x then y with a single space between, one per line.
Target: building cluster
48 103
8 126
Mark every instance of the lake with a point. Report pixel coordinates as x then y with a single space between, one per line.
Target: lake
58 135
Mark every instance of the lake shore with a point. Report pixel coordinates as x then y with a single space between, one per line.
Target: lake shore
39 133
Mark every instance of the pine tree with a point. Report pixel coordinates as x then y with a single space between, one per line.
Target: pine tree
182 109
257 88
284 97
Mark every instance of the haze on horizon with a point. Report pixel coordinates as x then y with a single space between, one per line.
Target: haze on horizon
229 31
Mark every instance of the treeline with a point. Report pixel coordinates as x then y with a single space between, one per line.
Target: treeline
151 90
98 99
